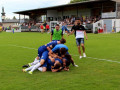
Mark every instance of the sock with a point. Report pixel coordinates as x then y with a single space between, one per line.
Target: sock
35 67
35 62
27 69
40 69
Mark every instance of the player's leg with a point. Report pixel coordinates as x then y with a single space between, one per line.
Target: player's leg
35 61
79 52
27 69
44 67
40 52
42 61
78 45
83 47
37 65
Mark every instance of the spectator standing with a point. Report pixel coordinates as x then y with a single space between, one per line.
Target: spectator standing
42 28
47 28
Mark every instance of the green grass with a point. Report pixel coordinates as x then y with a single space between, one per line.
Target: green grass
92 74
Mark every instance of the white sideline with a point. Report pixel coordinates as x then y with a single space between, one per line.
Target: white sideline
71 54
22 47
100 59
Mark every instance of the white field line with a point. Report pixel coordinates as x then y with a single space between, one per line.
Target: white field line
71 54
22 47
101 59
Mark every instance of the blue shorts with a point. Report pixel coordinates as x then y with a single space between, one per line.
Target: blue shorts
44 57
45 64
41 50
79 41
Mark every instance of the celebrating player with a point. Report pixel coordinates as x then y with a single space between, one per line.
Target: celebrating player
44 48
79 32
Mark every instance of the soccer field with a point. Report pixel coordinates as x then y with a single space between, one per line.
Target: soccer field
99 71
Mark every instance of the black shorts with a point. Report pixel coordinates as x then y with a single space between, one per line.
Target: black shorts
79 41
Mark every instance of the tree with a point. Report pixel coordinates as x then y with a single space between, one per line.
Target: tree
14 18
73 1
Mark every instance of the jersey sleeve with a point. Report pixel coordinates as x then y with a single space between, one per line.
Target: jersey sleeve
55 48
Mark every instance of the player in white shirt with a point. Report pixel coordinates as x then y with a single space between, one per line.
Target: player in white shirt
79 32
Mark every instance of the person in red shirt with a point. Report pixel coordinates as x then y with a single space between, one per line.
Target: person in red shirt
42 28
47 28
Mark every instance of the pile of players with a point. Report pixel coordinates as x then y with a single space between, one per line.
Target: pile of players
53 57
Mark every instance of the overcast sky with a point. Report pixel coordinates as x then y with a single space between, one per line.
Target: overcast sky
20 5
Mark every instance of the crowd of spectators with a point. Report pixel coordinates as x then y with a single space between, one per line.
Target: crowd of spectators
84 20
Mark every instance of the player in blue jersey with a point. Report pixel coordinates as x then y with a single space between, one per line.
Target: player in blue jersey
50 45
42 62
61 49
54 66
45 64
67 60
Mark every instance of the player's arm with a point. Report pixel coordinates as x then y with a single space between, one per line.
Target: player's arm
51 36
56 70
50 53
56 56
64 63
85 32
72 31
85 35
66 69
66 30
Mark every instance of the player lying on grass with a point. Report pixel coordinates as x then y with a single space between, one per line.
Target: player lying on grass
45 64
43 48
42 62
